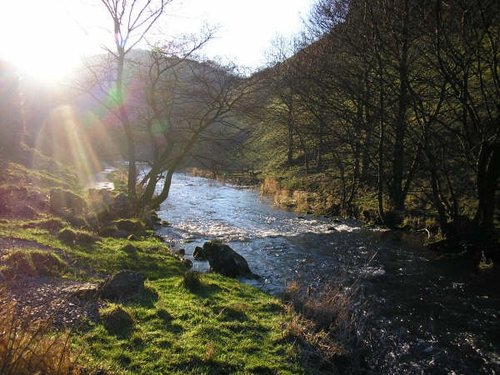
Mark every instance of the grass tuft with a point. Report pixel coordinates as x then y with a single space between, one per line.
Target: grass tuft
326 319
31 263
192 281
117 320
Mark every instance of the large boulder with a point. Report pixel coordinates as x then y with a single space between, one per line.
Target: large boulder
226 261
122 285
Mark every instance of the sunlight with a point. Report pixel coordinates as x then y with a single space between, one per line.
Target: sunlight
41 38
64 140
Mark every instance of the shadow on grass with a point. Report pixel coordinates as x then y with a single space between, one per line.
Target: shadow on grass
146 298
207 366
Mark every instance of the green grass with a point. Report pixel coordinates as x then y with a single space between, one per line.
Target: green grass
185 323
223 327
105 255
31 262
220 326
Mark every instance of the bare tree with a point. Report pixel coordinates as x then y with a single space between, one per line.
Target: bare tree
187 102
132 20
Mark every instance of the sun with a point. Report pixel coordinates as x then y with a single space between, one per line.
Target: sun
42 38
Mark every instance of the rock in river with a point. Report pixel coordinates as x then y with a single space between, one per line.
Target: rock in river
226 261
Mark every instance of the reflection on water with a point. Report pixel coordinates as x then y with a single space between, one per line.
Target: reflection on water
424 316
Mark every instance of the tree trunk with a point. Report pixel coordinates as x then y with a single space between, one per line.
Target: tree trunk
380 171
125 121
487 183
396 192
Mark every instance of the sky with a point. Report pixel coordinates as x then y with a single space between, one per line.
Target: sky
48 37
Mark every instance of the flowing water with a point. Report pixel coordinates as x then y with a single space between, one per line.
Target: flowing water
422 316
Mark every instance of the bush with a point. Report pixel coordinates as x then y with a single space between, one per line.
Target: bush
32 263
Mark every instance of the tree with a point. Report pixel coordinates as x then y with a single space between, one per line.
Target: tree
131 22
187 101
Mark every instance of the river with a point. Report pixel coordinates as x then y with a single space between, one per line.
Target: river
423 316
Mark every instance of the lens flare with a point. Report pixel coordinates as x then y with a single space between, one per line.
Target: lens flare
64 139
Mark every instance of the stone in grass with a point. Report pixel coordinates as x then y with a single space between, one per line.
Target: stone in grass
85 292
187 263
122 285
117 320
70 236
133 237
61 201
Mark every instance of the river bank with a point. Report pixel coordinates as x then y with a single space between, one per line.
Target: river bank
184 322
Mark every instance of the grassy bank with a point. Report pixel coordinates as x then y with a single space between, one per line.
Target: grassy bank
316 195
185 323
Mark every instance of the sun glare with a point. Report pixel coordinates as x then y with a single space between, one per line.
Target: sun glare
42 38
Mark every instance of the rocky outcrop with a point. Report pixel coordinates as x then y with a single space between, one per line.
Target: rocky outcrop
226 261
122 285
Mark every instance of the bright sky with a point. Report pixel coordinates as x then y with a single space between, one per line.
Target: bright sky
48 37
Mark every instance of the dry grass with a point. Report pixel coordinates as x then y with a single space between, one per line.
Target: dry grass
30 346
325 321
